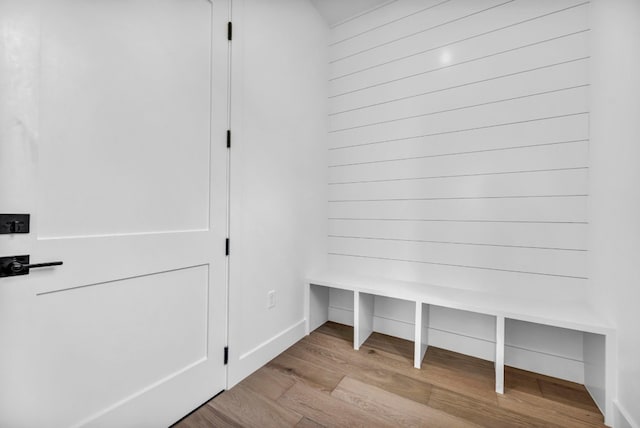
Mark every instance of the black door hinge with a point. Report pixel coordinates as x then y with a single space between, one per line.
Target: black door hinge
229 31
228 138
226 355
226 247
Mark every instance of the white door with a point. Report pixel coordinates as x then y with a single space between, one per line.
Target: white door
112 124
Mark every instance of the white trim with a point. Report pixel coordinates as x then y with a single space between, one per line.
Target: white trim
622 419
267 342
252 360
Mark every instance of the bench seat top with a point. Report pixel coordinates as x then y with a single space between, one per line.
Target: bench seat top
565 314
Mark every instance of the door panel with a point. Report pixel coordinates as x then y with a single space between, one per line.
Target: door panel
125 116
114 115
150 327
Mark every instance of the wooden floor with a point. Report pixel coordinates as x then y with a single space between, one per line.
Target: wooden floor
322 381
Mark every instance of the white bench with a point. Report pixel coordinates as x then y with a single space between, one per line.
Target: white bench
599 369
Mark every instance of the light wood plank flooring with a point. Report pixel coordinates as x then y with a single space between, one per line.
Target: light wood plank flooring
322 382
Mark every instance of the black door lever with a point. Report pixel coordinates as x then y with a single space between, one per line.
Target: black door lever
19 265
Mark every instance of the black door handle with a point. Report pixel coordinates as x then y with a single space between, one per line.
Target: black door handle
19 265
16 266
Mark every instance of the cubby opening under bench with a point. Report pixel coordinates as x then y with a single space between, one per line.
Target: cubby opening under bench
599 336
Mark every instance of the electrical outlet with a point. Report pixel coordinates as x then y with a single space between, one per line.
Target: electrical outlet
271 297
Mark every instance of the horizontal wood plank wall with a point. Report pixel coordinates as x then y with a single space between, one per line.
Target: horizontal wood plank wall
458 148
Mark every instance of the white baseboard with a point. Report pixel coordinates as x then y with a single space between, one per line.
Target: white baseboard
255 358
543 363
395 328
621 418
525 359
466 345
341 316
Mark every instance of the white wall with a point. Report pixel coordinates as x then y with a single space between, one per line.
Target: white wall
336 11
614 179
458 155
278 174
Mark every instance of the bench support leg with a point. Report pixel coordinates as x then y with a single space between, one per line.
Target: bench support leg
611 380
362 318
500 355
317 307
421 341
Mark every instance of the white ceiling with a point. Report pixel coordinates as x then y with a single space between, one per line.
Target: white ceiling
335 11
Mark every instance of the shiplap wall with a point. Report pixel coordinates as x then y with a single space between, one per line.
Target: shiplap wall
458 155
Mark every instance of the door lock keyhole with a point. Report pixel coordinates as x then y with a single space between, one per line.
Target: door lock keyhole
14 223
14 226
